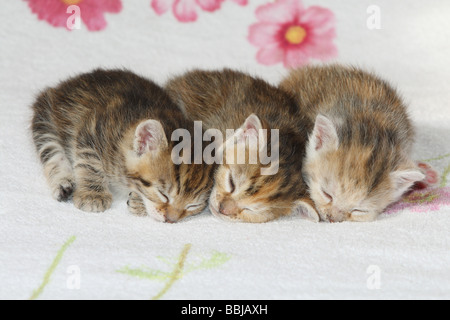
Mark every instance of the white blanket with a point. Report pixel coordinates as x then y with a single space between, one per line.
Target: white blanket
51 250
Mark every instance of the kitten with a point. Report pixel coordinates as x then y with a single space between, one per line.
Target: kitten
112 127
358 154
233 100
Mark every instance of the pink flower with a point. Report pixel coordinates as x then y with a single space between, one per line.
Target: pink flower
423 200
185 10
289 33
91 11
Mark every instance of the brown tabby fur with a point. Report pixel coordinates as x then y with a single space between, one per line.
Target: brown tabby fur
84 132
374 137
223 100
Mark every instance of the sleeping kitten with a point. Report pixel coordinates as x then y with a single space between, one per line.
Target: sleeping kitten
112 127
358 154
233 100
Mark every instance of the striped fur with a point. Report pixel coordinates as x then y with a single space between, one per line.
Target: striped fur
224 100
85 135
357 159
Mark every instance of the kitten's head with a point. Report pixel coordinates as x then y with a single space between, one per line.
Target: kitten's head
258 191
170 191
354 181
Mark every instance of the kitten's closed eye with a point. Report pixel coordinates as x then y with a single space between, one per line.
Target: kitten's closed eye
362 215
359 212
139 180
163 196
145 183
194 206
232 186
327 196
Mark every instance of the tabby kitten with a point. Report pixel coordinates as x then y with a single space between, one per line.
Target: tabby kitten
112 127
233 100
358 154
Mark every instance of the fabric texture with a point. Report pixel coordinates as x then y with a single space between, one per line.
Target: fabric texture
51 250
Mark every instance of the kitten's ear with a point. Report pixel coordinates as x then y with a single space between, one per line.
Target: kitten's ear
324 135
306 210
402 180
149 136
250 129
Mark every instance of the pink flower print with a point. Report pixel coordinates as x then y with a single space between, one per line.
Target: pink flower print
92 11
422 200
289 33
186 10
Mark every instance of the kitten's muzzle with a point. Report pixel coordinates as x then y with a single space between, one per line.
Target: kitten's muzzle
331 214
228 207
333 217
172 215
168 220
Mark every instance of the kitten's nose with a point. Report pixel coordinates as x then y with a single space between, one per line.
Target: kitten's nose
228 207
337 216
171 216
330 219
168 220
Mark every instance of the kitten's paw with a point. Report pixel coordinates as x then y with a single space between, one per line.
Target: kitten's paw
136 205
92 202
431 176
305 208
64 190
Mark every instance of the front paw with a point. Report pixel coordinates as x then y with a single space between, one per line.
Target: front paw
92 202
136 205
